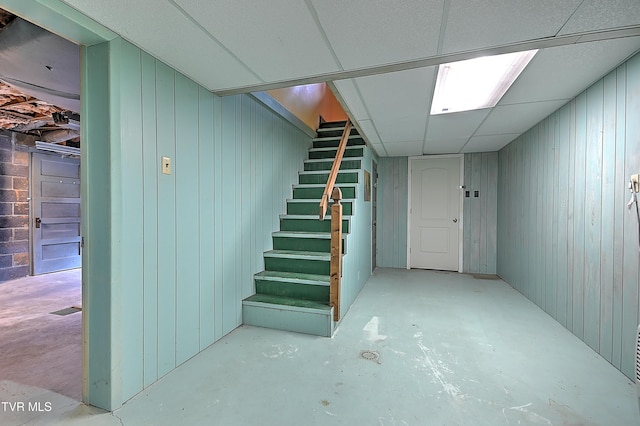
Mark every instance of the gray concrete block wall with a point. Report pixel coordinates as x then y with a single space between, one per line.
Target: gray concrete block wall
14 208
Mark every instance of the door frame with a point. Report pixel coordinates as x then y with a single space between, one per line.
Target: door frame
460 214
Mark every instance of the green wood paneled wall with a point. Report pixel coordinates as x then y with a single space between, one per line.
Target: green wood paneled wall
180 250
480 214
392 212
565 237
356 265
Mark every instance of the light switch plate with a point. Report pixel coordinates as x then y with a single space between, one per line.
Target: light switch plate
166 165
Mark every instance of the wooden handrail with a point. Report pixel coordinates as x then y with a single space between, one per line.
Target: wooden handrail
335 266
331 181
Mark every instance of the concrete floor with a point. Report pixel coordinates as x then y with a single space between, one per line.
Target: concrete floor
39 349
417 348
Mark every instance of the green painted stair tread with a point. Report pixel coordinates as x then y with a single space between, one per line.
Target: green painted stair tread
306 191
327 218
326 172
321 185
330 152
288 301
352 163
294 254
312 241
321 137
316 200
330 160
299 277
321 176
302 234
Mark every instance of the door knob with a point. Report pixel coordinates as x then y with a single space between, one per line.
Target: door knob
455 220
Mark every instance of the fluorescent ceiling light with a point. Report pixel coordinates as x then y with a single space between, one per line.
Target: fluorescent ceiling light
477 83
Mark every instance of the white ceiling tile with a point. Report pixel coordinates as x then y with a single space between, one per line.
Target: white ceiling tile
395 130
389 31
488 143
403 149
379 149
349 94
455 125
444 146
517 118
369 131
398 102
599 14
484 23
278 39
146 23
563 72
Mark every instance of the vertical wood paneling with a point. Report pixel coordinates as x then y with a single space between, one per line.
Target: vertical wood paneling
229 214
131 205
579 216
187 207
491 212
484 219
552 225
218 233
476 225
392 212
165 124
549 208
571 213
237 211
579 255
150 207
480 214
619 213
593 213
186 244
561 215
246 285
608 199
206 215
631 243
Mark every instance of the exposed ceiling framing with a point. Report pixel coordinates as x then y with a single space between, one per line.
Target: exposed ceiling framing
29 87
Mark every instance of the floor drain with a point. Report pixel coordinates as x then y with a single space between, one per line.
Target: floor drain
371 356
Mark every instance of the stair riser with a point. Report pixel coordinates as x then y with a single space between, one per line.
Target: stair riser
317 293
336 142
314 155
283 318
337 132
316 193
304 244
319 267
322 178
326 124
310 225
312 208
326 165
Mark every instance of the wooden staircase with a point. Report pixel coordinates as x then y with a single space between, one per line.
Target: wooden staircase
292 293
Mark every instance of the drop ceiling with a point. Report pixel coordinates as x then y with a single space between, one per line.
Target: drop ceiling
381 56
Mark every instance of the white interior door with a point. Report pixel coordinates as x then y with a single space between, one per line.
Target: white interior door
434 215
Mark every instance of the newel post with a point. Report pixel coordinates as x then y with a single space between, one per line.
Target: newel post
336 252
